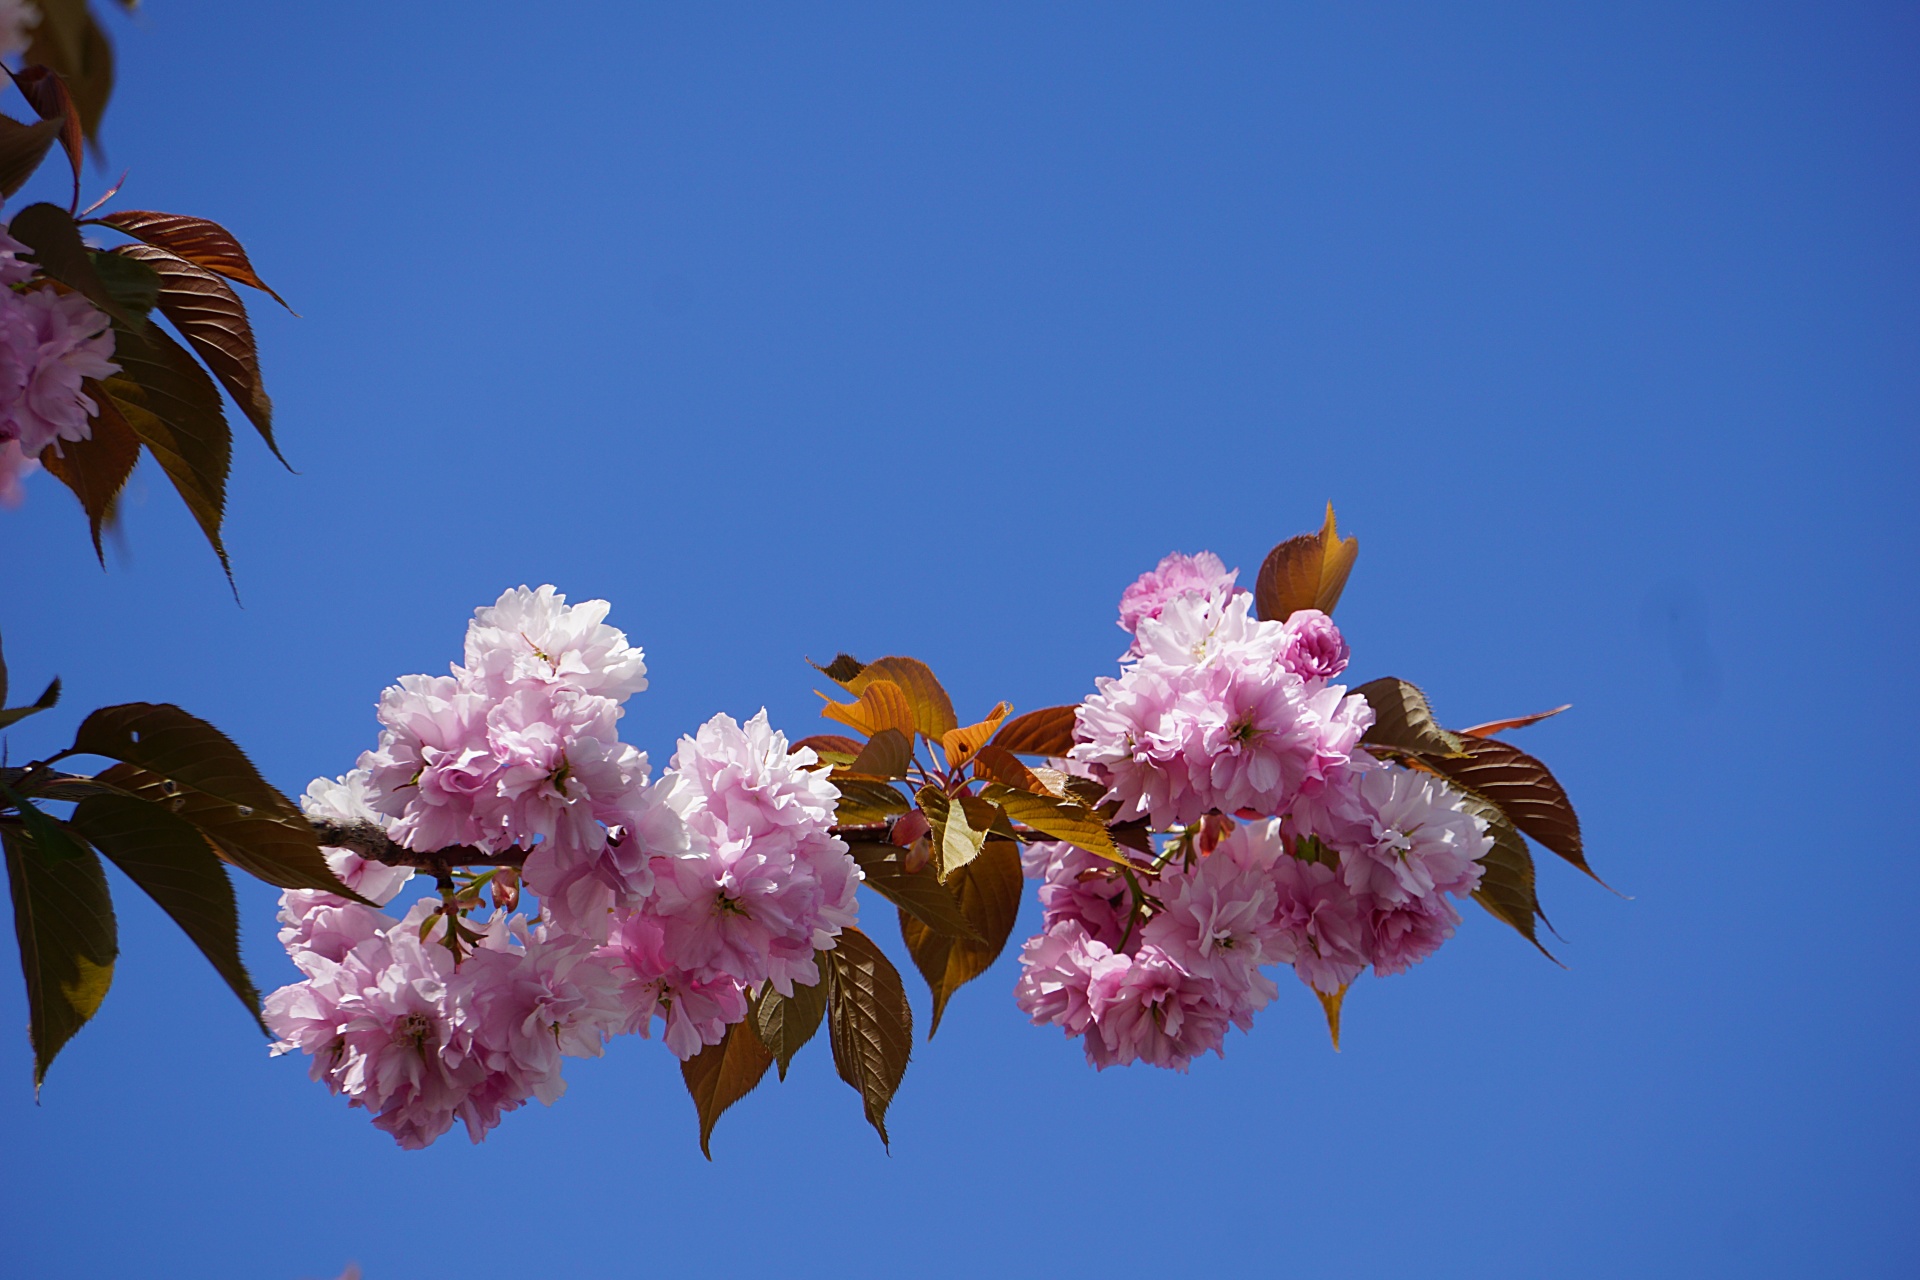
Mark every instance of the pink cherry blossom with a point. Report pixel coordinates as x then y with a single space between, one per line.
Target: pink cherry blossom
1315 648
49 343
1401 835
535 639
1216 920
1057 972
1152 1011
1176 575
1321 929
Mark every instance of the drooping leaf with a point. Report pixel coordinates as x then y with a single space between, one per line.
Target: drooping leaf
22 148
1332 1003
956 840
960 744
1307 572
63 921
1403 721
96 469
199 241
881 705
164 740
1046 732
47 94
1062 819
173 406
996 764
932 708
784 1023
210 315
60 254
1524 789
867 803
1492 727
269 846
71 41
722 1074
918 893
887 755
1506 883
168 857
49 697
869 1023
988 892
49 834
132 283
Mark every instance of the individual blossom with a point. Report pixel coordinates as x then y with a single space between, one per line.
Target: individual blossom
1320 929
585 884
15 466
49 343
1404 934
1401 835
693 1013
1315 649
1082 887
1176 575
1153 1011
434 770
1216 918
1057 971
536 639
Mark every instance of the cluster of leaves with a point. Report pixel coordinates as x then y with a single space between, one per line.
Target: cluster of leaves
173 266
180 805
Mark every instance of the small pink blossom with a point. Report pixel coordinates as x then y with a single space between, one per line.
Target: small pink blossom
1176 575
49 343
1154 1012
1057 972
1315 648
535 639
1320 927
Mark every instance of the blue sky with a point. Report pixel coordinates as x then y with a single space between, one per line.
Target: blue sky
794 330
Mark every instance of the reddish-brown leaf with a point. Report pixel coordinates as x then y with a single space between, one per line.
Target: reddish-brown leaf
1046 732
869 1023
838 743
994 763
1307 572
213 320
73 43
22 148
47 94
882 705
198 240
722 1074
917 892
932 708
96 469
1524 789
1492 727
988 892
887 755
960 744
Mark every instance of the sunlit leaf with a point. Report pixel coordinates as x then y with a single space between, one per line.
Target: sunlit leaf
1046 732
1403 721
63 921
211 317
932 708
960 744
1492 727
988 892
784 1023
722 1074
168 857
996 764
1524 789
1061 819
1307 572
96 469
869 1023
882 705
918 893
1332 1003
825 745
956 839
22 148
866 803
198 240
887 755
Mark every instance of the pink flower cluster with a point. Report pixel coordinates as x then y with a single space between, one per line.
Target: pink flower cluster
1219 711
665 901
49 343
1339 863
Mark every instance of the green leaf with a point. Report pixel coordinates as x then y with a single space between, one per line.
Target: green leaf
932 708
1524 789
869 1023
213 320
918 893
48 697
988 892
887 755
722 1074
282 851
784 1023
22 148
173 406
63 921
1403 721
1506 884
170 859
1307 572
866 803
1046 732
1060 818
956 840
96 469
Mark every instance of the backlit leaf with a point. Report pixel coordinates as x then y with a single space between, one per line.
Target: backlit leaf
722 1074
887 755
47 833
824 744
1524 789
198 240
22 148
1492 727
63 921
869 1023
210 315
1403 721
960 744
932 708
168 857
1307 572
918 893
996 764
164 740
1062 819
988 891
1046 732
866 803
1332 1003
49 697
784 1023
956 840
882 705
96 469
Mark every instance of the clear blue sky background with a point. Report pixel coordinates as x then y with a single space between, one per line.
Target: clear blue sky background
793 330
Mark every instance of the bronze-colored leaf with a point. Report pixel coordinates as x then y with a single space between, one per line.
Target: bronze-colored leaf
869 1023
825 744
213 320
168 857
882 705
957 840
60 254
722 1074
1332 1003
1307 572
198 240
932 708
867 803
1403 721
1506 883
918 893
988 891
993 763
47 94
1061 819
173 406
1046 732
960 744
22 148
843 668
887 755
1492 727
63 921
96 469
1524 789
784 1023
71 41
